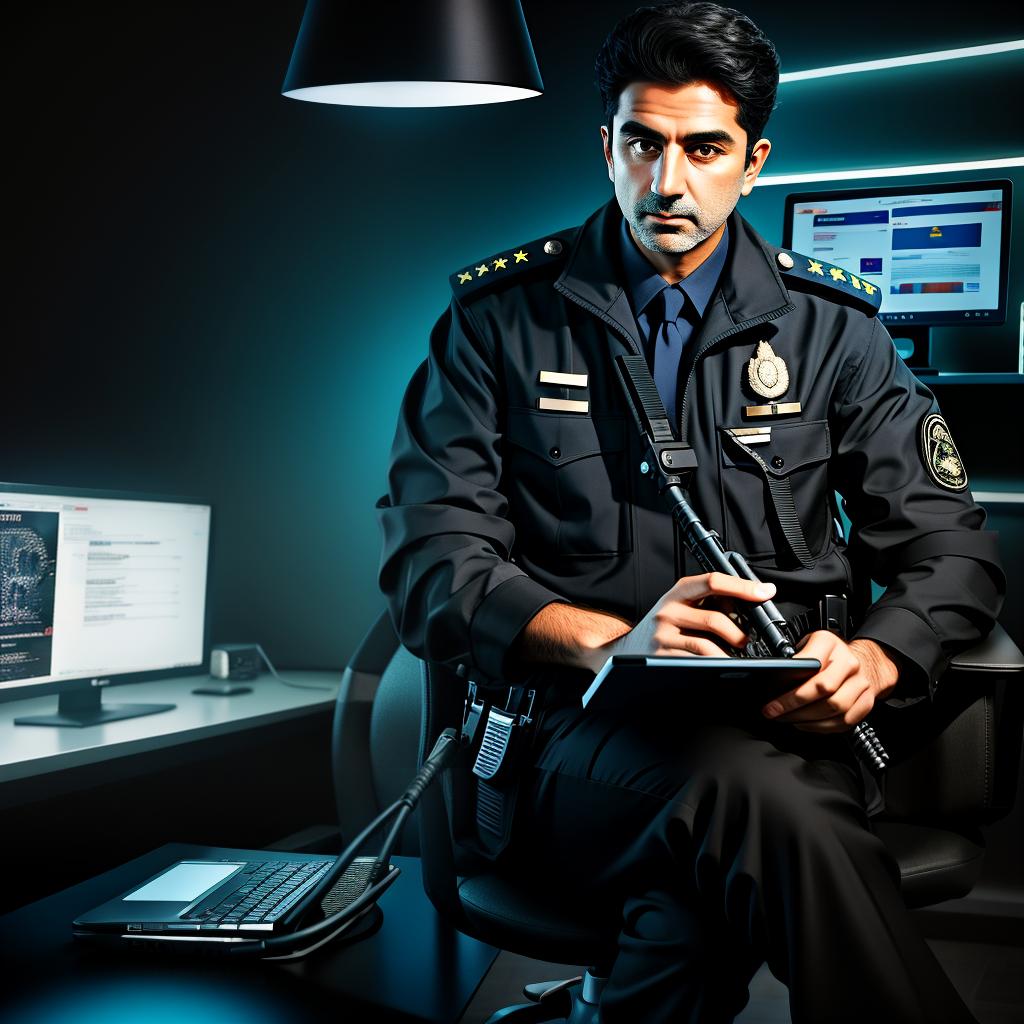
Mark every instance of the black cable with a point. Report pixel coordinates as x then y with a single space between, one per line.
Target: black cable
435 762
437 758
288 682
335 921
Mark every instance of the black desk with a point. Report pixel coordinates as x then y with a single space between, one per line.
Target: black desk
416 968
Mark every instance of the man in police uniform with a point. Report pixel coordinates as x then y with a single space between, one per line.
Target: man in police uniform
520 537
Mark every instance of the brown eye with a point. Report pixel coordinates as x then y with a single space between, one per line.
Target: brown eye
643 147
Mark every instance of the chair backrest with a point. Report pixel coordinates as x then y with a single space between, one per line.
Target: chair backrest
377 737
390 709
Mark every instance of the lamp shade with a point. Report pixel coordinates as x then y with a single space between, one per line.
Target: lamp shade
427 53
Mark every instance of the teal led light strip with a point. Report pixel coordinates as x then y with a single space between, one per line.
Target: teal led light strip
899 62
890 172
999 497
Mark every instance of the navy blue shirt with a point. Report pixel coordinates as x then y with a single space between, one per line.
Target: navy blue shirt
643 283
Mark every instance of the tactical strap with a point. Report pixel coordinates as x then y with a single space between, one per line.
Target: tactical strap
781 491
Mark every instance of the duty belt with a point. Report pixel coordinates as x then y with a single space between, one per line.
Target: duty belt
831 614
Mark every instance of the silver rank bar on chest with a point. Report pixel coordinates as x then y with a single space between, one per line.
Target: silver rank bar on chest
563 380
752 435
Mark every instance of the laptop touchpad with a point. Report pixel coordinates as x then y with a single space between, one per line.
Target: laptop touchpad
184 882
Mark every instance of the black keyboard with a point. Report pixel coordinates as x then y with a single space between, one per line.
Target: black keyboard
268 891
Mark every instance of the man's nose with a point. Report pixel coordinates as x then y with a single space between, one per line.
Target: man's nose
670 173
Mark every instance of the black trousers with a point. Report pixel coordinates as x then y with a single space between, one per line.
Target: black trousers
723 847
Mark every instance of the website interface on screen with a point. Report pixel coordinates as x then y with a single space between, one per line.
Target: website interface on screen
931 254
97 587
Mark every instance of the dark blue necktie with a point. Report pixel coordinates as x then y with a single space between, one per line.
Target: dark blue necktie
669 339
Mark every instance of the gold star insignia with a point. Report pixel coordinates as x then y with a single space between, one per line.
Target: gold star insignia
500 264
465 276
837 274
855 282
869 288
482 269
521 256
814 267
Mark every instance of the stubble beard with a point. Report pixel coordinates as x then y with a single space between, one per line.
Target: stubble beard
667 238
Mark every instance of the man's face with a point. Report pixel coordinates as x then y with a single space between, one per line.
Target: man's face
677 159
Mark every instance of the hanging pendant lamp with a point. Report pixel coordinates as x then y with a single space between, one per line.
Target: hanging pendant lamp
420 53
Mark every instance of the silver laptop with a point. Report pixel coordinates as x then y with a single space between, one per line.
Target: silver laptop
219 904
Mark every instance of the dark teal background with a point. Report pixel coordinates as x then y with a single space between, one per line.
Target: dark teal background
218 291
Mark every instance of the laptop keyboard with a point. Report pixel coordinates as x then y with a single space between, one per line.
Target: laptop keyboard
269 890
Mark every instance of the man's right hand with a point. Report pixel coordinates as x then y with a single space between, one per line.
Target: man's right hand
684 621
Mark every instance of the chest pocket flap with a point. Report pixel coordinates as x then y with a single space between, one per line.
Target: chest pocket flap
793 512
561 438
566 478
793 446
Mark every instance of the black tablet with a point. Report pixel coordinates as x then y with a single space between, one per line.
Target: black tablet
627 679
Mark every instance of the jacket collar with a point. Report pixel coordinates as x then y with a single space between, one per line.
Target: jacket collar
750 287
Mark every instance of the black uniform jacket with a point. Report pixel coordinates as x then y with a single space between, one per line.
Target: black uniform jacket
497 507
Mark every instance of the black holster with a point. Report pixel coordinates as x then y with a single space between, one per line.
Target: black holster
501 737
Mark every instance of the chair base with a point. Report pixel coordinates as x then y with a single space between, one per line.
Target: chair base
573 1001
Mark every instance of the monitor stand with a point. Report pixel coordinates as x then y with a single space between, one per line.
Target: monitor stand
914 344
83 707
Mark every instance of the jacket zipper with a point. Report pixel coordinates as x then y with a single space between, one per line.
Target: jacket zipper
601 315
744 326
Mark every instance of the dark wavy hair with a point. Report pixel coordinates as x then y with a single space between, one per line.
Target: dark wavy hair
677 44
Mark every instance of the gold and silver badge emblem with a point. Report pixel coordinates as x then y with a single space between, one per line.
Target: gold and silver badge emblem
767 374
940 455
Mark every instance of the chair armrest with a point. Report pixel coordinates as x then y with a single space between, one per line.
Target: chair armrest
996 653
957 757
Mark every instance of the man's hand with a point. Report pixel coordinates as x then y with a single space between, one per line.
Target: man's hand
853 676
565 634
680 624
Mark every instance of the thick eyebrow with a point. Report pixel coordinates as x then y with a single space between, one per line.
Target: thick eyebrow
693 139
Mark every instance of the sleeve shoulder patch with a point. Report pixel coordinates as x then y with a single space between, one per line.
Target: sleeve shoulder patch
805 273
939 454
485 275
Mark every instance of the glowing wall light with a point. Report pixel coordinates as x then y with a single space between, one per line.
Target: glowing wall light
899 62
889 172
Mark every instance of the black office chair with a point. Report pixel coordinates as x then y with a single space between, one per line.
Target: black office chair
391 706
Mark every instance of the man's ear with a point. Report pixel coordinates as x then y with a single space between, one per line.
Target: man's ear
606 144
757 159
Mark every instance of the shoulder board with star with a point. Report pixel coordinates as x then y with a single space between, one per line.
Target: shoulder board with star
836 283
484 275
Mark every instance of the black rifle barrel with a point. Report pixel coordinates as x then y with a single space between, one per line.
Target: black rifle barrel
669 463
763 620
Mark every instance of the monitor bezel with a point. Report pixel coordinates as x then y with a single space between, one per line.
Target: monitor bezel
27 690
926 318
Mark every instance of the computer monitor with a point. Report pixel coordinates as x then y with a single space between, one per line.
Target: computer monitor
938 253
98 588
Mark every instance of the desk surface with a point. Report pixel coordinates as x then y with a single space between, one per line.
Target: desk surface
41 762
29 750
415 968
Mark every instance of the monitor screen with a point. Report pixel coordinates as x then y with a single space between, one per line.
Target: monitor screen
938 253
99 586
